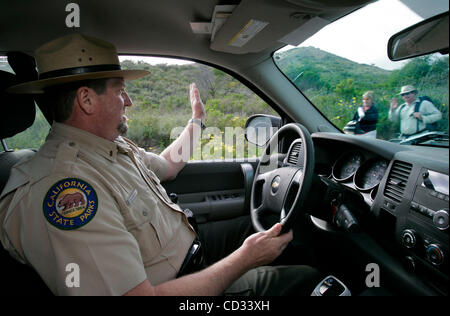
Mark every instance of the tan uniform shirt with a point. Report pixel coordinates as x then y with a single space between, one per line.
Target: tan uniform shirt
99 204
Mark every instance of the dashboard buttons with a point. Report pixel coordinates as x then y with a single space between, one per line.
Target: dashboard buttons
435 254
409 238
415 206
438 195
440 219
422 209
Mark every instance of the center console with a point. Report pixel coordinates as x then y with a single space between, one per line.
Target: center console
425 231
422 227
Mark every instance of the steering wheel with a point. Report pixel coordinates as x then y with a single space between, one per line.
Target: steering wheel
280 188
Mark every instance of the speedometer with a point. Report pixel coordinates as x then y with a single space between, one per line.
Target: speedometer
346 166
370 174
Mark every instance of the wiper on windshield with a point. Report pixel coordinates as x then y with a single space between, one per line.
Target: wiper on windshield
427 138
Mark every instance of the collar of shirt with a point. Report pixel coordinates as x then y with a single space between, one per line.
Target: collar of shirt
85 140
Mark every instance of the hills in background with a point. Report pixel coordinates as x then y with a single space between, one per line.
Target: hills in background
321 68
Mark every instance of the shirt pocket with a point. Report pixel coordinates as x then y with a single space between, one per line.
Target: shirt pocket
143 220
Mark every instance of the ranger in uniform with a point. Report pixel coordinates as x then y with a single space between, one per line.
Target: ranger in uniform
90 196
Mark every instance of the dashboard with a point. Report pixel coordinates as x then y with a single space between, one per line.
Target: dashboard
398 194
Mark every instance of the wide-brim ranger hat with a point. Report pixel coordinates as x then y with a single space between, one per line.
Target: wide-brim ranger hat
407 89
75 57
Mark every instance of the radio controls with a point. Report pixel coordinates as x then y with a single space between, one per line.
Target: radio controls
422 209
435 254
440 219
415 206
409 238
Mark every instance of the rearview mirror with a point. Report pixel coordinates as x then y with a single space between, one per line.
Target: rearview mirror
426 37
260 128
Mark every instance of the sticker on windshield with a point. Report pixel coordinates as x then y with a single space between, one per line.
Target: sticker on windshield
70 204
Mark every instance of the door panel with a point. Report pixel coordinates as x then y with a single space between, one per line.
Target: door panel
214 189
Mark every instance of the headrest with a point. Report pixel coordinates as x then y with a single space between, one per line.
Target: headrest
17 111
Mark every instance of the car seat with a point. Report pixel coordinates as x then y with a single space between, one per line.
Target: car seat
18 113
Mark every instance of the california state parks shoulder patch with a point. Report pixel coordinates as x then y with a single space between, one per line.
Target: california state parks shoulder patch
70 204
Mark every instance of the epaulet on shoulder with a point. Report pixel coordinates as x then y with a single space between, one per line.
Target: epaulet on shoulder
66 151
37 167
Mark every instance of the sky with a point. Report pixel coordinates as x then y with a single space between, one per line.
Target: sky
367 46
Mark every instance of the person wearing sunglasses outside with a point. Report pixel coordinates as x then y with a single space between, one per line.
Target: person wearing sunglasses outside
413 119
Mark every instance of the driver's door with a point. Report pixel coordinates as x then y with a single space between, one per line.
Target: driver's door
214 189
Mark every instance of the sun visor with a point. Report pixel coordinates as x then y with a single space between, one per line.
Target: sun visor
255 25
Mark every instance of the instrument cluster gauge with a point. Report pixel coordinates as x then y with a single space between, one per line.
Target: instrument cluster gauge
370 174
374 193
345 167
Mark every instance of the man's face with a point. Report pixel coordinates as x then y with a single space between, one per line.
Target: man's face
113 104
409 97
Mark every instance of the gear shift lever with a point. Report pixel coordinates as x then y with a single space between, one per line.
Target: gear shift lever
331 286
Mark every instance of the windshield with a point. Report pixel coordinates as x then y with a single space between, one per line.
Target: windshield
345 72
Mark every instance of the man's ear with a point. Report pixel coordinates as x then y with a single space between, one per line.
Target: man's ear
86 99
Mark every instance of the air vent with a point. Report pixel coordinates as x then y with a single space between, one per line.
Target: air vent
397 180
294 154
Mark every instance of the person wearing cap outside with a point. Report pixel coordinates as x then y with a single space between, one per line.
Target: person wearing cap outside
93 198
412 122
366 117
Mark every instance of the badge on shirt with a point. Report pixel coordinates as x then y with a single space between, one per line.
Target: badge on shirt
70 204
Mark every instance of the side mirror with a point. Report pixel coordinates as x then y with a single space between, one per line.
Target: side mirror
260 128
426 37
